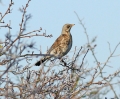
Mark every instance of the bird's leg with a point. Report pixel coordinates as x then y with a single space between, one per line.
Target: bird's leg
62 60
52 60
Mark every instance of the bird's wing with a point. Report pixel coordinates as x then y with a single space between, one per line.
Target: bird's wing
62 39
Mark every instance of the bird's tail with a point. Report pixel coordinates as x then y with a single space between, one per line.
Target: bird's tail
41 61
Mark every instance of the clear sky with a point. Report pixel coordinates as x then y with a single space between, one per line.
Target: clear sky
101 18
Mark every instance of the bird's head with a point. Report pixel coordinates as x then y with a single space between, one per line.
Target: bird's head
67 28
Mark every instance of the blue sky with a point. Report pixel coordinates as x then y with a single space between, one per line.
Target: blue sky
101 18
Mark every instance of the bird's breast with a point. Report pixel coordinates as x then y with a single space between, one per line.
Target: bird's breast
68 45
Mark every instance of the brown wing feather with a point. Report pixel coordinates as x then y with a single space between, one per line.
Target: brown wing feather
56 43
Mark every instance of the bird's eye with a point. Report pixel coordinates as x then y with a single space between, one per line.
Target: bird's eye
68 26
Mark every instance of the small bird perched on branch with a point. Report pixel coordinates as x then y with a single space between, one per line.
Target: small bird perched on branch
61 46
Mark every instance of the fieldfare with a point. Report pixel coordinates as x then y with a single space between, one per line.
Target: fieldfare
61 46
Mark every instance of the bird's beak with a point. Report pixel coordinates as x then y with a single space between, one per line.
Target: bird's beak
72 24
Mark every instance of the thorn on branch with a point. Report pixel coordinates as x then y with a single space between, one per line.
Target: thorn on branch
44 34
40 28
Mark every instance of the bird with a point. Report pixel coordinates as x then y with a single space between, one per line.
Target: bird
61 46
